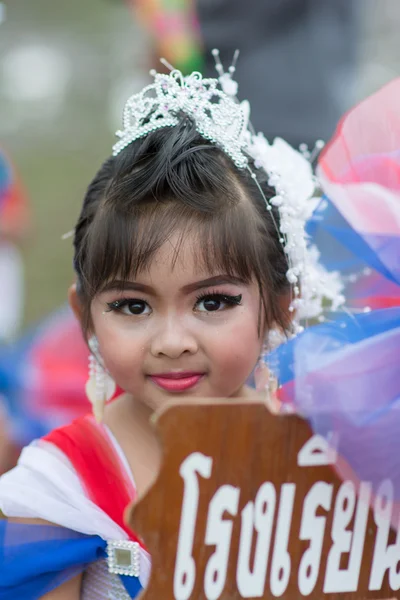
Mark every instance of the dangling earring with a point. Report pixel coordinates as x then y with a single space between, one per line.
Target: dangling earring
265 380
267 385
99 387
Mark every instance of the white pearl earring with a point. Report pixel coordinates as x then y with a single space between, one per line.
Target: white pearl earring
265 381
100 387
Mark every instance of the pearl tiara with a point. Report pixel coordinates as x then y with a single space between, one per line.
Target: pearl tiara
220 118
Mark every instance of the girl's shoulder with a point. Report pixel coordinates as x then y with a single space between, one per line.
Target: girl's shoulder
65 478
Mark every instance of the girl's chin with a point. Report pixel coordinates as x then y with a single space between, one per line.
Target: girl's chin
157 398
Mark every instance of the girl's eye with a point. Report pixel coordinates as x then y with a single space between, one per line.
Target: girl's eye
130 306
217 302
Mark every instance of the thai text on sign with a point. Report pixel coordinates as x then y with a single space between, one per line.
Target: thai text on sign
248 505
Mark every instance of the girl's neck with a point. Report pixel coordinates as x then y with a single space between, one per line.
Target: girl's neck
128 411
130 422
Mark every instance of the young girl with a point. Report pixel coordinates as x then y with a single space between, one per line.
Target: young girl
188 253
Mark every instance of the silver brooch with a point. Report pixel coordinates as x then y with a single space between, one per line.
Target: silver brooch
123 558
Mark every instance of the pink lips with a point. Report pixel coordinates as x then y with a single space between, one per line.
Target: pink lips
176 382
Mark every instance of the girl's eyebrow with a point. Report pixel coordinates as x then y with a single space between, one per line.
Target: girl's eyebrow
217 280
119 285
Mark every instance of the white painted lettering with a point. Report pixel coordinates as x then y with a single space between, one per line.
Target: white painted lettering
185 568
219 534
385 557
345 541
317 451
256 516
281 563
313 529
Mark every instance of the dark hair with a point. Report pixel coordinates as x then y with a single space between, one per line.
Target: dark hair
172 181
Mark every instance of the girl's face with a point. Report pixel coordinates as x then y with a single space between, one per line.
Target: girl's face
177 330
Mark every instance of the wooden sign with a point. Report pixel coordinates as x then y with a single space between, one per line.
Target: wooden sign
247 505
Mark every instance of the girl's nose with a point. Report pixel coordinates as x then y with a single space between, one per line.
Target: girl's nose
173 340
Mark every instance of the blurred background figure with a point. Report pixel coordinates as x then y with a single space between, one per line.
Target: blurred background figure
174 28
297 64
14 222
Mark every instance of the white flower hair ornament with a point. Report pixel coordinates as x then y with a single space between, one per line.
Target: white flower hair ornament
220 118
290 173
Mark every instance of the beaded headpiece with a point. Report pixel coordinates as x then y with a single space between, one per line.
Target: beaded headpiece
220 118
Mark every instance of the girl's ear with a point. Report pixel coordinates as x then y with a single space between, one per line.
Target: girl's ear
75 302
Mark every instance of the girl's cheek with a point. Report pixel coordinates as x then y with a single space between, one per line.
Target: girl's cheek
239 347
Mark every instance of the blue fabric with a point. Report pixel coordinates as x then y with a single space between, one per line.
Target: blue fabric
338 334
35 559
14 371
344 377
132 585
345 249
5 177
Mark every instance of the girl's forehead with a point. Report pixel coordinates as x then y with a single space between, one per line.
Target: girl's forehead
179 264
180 255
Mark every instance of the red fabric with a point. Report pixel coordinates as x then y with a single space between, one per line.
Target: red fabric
58 358
99 467
366 143
377 302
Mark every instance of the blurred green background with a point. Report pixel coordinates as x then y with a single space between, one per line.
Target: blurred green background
63 65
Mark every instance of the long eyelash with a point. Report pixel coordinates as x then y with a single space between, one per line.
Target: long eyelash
118 304
231 300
